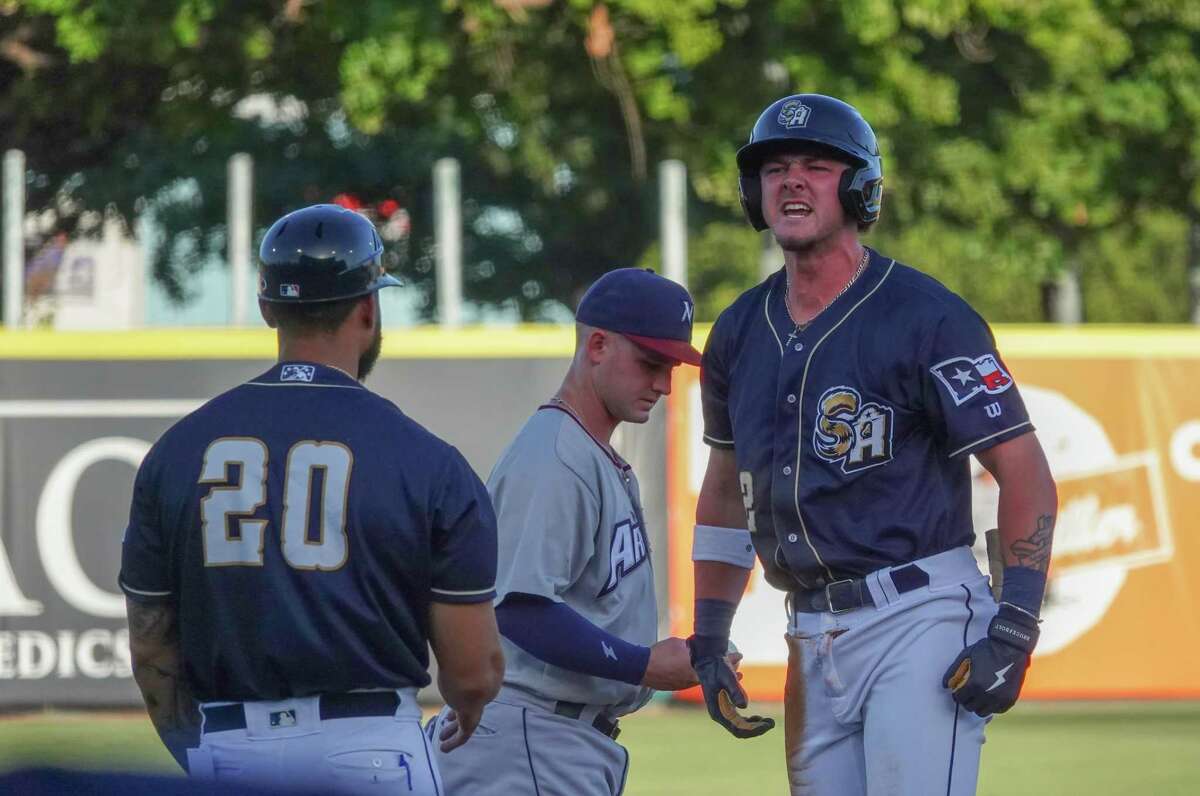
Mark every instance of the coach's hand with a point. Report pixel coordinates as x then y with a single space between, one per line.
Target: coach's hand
670 666
457 728
723 695
986 677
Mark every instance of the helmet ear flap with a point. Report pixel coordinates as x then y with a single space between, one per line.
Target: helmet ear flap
861 193
847 196
750 189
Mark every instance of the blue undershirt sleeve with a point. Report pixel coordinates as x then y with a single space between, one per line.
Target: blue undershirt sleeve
559 635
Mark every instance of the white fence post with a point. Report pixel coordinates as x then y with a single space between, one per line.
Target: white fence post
14 237
770 258
447 200
672 219
239 222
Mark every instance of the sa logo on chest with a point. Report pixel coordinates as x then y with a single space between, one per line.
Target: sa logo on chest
856 433
626 553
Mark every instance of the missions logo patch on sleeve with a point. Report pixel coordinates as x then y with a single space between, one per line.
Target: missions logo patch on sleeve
966 377
848 430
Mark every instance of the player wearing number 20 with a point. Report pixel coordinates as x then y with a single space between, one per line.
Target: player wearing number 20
295 543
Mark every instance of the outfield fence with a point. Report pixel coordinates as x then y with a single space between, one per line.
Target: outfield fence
1118 411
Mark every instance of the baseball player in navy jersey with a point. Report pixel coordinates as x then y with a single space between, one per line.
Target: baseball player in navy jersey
295 543
574 588
842 400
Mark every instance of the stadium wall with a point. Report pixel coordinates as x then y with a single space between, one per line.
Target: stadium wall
1118 413
1118 410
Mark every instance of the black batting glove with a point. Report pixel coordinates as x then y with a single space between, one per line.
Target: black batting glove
986 677
723 695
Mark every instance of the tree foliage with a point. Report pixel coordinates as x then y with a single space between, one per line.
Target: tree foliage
1019 138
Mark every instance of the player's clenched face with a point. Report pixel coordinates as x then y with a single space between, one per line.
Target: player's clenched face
630 379
800 198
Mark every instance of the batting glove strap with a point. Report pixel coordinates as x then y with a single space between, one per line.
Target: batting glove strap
1014 627
707 647
723 695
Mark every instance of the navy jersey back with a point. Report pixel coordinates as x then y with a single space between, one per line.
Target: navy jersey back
852 436
302 525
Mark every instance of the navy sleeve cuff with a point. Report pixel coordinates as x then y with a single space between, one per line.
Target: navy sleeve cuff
557 634
992 440
462 597
143 595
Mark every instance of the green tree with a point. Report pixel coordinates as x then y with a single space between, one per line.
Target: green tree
1019 138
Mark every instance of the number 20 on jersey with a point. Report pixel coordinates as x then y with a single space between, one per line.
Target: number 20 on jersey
314 469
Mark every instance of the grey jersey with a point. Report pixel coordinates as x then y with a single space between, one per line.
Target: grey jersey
570 529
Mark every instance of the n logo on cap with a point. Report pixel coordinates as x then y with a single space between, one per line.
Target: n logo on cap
689 310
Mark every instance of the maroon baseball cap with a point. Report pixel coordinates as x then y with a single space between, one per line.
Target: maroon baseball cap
651 310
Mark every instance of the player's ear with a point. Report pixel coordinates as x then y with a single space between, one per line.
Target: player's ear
265 309
597 345
367 311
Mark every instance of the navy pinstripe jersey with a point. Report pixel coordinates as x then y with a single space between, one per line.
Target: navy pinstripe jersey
852 436
302 524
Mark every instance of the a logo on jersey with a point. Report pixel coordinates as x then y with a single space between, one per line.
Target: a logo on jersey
289 290
297 373
855 433
964 377
626 553
794 113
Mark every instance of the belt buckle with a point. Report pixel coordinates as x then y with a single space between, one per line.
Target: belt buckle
849 582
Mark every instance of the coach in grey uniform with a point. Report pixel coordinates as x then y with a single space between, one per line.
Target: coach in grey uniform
574 588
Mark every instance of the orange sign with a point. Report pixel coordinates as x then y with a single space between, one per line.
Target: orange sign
1118 415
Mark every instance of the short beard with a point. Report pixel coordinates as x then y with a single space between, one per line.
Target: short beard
809 246
366 361
798 246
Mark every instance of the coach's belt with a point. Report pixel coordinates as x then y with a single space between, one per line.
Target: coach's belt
573 710
850 593
220 718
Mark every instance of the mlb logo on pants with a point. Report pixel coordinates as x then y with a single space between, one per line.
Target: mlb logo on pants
283 718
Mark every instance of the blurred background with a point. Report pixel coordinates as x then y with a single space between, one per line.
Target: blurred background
1040 158
1030 149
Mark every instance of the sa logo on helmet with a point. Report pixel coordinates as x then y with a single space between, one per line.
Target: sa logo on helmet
794 113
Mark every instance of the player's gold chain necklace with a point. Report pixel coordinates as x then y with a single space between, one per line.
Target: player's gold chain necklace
787 301
554 399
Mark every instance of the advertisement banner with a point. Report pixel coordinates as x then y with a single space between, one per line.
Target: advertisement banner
73 432
1118 414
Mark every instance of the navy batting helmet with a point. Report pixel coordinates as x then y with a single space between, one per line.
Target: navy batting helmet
321 253
827 122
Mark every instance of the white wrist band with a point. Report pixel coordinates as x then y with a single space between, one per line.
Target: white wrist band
727 545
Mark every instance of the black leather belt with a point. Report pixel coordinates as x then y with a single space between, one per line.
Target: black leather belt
573 710
221 718
850 593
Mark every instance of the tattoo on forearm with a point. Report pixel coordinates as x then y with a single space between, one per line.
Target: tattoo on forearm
151 623
1034 550
153 636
